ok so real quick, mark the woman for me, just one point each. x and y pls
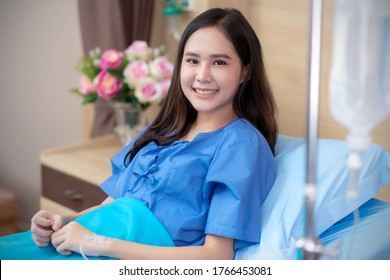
(205, 165)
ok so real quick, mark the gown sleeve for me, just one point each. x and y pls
(239, 179)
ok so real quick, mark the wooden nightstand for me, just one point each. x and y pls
(71, 174)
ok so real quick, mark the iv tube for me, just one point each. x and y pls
(360, 74)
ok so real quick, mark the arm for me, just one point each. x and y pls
(215, 247)
(72, 235)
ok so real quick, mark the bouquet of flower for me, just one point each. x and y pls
(140, 75)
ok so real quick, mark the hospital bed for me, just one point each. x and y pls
(346, 228)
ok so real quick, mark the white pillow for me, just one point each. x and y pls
(283, 210)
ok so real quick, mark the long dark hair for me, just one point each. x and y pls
(253, 101)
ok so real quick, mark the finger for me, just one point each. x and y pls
(65, 252)
(58, 237)
(41, 231)
(43, 218)
(40, 241)
(57, 234)
(55, 240)
(42, 214)
(41, 244)
(57, 222)
(62, 248)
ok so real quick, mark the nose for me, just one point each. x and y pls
(203, 73)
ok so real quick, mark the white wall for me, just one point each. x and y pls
(39, 45)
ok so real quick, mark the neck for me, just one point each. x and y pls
(205, 123)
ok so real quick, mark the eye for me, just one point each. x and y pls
(219, 62)
(192, 60)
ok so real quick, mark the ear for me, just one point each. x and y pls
(244, 73)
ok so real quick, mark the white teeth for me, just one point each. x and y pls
(205, 91)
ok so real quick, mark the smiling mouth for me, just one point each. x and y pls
(205, 91)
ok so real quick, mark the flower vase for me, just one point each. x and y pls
(130, 121)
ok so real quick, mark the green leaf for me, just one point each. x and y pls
(134, 100)
(144, 106)
(75, 91)
(123, 95)
(90, 98)
(87, 67)
(116, 73)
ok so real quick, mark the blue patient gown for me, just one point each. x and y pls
(214, 184)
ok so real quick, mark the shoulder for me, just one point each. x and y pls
(241, 131)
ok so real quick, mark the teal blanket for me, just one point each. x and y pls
(124, 218)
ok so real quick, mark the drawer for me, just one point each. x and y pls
(69, 191)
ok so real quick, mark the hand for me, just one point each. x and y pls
(43, 224)
(73, 236)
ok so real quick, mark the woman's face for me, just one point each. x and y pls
(211, 72)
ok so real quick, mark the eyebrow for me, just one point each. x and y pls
(217, 55)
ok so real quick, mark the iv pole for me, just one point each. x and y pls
(310, 246)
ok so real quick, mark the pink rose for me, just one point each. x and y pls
(138, 49)
(161, 68)
(135, 71)
(110, 59)
(148, 90)
(86, 86)
(107, 86)
(165, 84)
